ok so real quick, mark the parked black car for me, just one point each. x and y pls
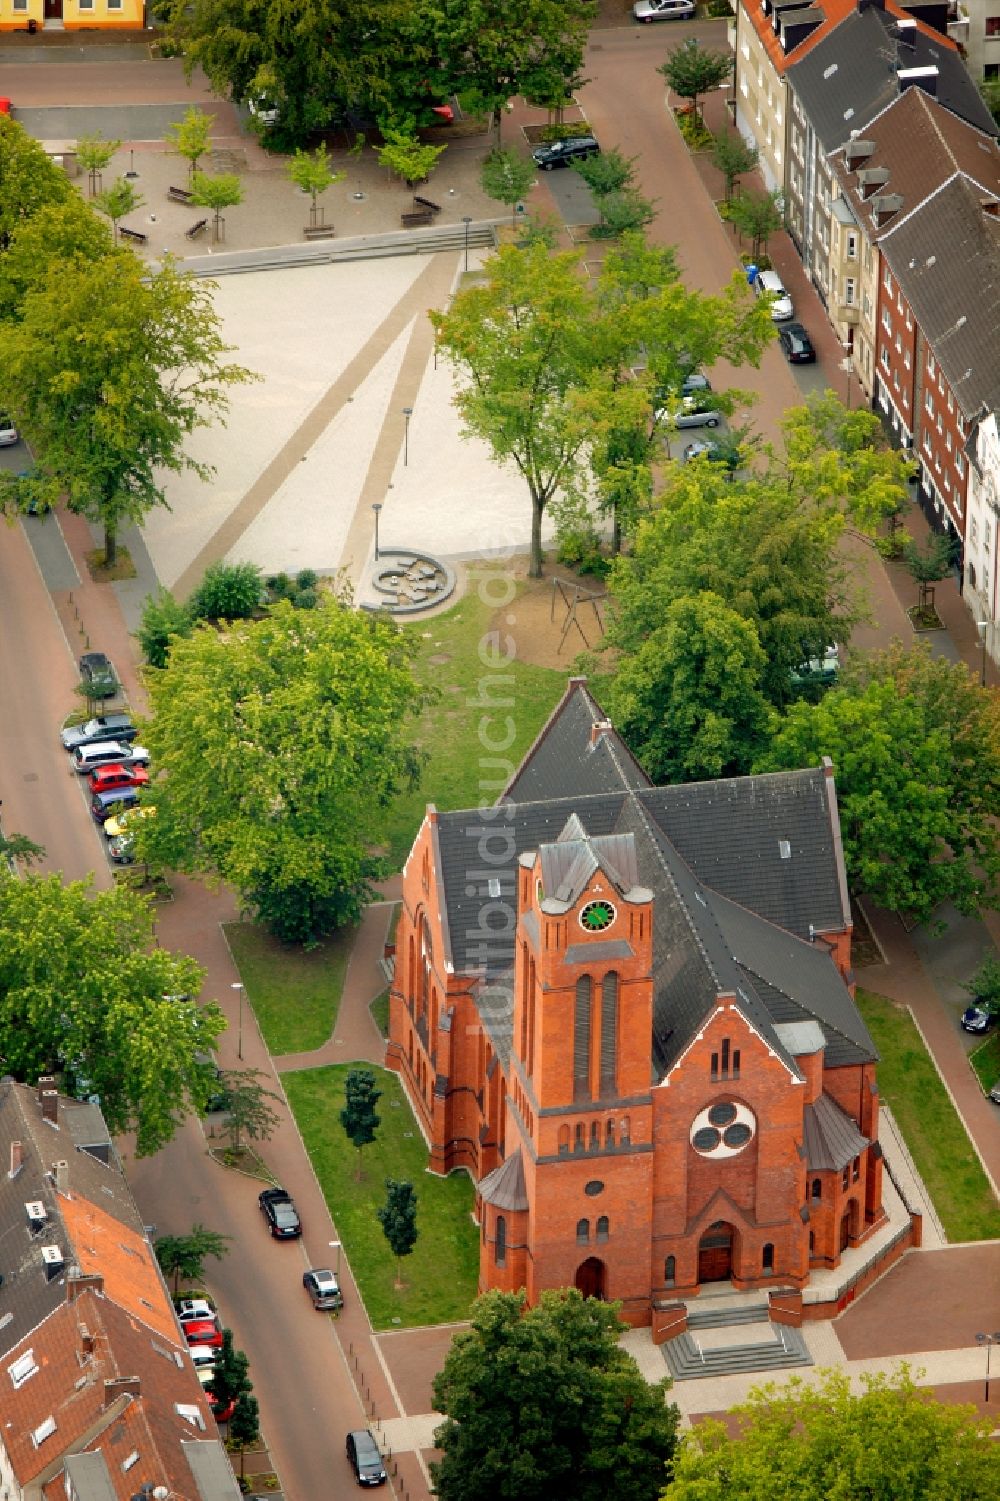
(561, 153)
(97, 671)
(280, 1213)
(977, 1018)
(796, 344)
(366, 1461)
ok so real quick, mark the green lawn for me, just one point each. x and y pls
(442, 1271)
(938, 1143)
(986, 1061)
(379, 1009)
(295, 995)
(458, 773)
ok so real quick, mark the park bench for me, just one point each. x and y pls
(425, 203)
(196, 229)
(410, 221)
(179, 195)
(124, 233)
(319, 232)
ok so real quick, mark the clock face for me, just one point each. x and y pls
(723, 1129)
(596, 916)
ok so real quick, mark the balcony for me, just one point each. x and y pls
(958, 23)
(849, 313)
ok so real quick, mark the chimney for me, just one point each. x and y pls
(49, 1101)
(121, 1386)
(16, 1158)
(60, 1175)
(52, 1261)
(924, 78)
(86, 1341)
(858, 151)
(81, 1283)
(598, 728)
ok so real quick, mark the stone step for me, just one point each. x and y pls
(719, 1318)
(363, 247)
(686, 1361)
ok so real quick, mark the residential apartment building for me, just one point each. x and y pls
(852, 75)
(99, 1396)
(975, 25)
(982, 593)
(72, 15)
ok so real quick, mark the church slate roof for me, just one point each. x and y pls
(600, 764)
(505, 1187)
(830, 1137)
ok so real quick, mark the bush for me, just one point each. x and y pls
(279, 585)
(565, 132)
(306, 578)
(306, 599)
(163, 620)
(692, 127)
(719, 8)
(580, 548)
(228, 591)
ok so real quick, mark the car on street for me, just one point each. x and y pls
(563, 153)
(715, 451)
(207, 1331)
(977, 1017)
(692, 413)
(769, 284)
(103, 805)
(107, 778)
(8, 432)
(264, 111)
(204, 1358)
(366, 1460)
(324, 1289)
(86, 758)
(189, 1309)
(819, 669)
(97, 671)
(102, 727)
(796, 345)
(995, 1093)
(124, 826)
(645, 11)
(221, 1411)
(280, 1213)
(121, 849)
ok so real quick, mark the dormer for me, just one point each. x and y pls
(35, 1210)
(884, 206)
(870, 179)
(921, 78)
(858, 150)
(796, 25)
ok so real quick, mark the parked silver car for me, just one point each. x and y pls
(663, 10)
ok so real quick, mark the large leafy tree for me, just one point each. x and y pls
(107, 372)
(542, 1402)
(28, 180)
(84, 989)
(689, 700)
(915, 744)
(284, 740)
(692, 70)
(889, 1440)
(184, 1256)
(63, 233)
(833, 456)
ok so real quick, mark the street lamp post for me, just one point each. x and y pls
(131, 173)
(981, 628)
(989, 1340)
(466, 220)
(407, 414)
(237, 985)
(376, 507)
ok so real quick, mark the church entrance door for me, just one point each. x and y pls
(590, 1277)
(715, 1253)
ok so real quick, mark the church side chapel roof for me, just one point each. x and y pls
(505, 1188)
(742, 872)
(830, 1137)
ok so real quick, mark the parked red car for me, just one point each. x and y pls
(109, 778)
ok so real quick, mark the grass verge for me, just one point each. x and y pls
(295, 995)
(379, 1009)
(938, 1142)
(459, 771)
(985, 1061)
(442, 1271)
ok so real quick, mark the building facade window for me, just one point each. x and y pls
(767, 1260)
(603, 1227)
(609, 1033)
(670, 1270)
(500, 1244)
(582, 1232)
(581, 1040)
(817, 1190)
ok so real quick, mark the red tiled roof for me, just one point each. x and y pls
(834, 11)
(123, 1258)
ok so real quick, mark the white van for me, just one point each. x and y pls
(769, 284)
(108, 753)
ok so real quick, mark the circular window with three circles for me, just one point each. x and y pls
(723, 1129)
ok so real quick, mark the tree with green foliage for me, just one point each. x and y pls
(284, 742)
(18, 848)
(248, 1113)
(67, 233)
(610, 172)
(231, 1373)
(398, 1218)
(83, 990)
(217, 191)
(990, 90)
(228, 591)
(183, 1257)
(94, 153)
(542, 1402)
(312, 172)
(915, 745)
(29, 181)
(406, 157)
(689, 702)
(984, 986)
(757, 216)
(162, 621)
(929, 564)
(117, 201)
(623, 213)
(358, 1117)
(191, 136)
(734, 156)
(506, 176)
(821, 1439)
(244, 1426)
(692, 70)
(107, 372)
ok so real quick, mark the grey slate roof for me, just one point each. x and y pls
(504, 1187)
(830, 1137)
(27, 1294)
(606, 765)
(946, 257)
(849, 76)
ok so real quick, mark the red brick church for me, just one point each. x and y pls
(627, 1011)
